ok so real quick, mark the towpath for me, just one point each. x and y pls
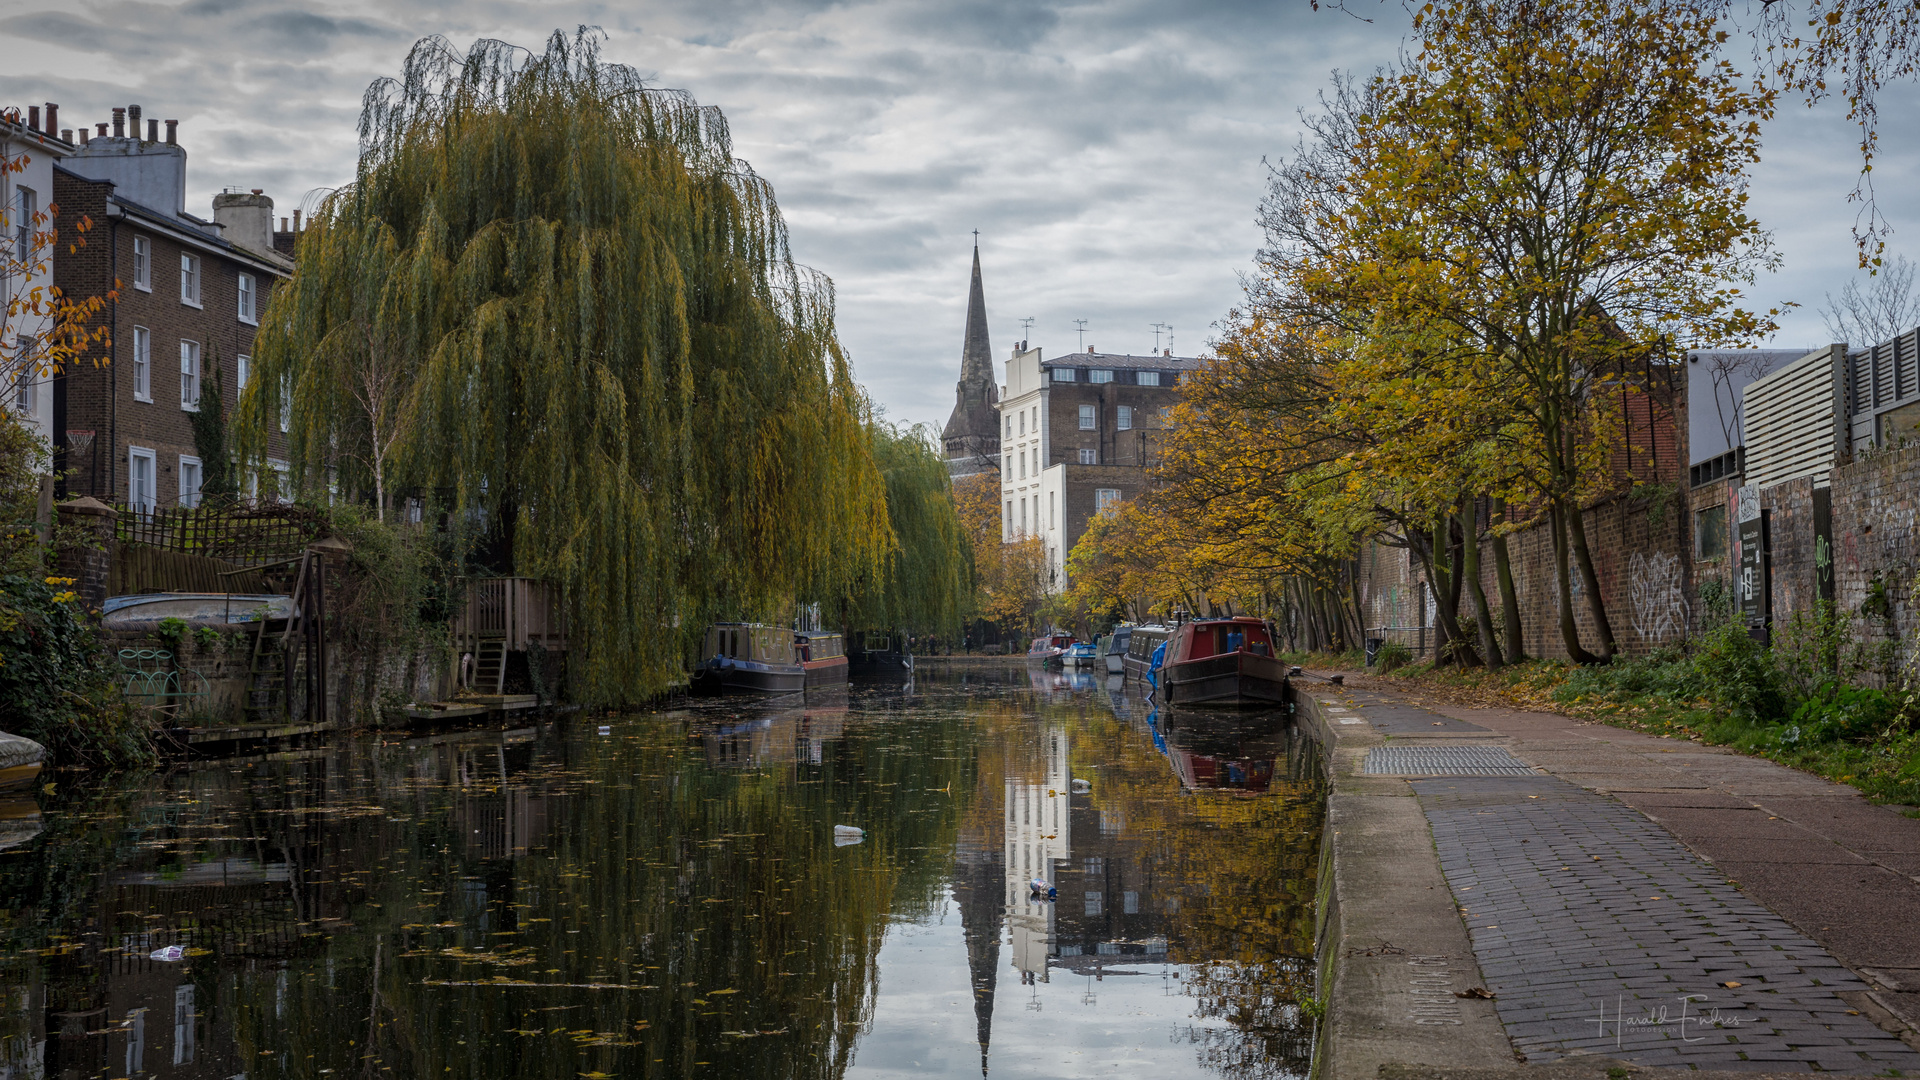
(1622, 896)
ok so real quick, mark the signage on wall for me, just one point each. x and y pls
(1754, 583)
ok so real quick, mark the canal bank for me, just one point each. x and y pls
(1609, 890)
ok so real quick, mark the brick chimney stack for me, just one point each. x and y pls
(173, 133)
(119, 124)
(133, 122)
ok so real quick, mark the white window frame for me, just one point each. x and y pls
(1099, 375)
(143, 262)
(243, 367)
(1088, 418)
(191, 498)
(1146, 378)
(1063, 374)
(282, 480)
(25, 205)
(1123, 418)
(26, 389)
(247, 303)
(1105, 499)
(190, 279)
(1089, 457)
(1023, 464)
(142, 364)
(135, 500)
(190, 374)
(1007, 531)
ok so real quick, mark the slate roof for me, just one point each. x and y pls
(1122, 361)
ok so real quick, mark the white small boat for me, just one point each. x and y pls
(145, 611)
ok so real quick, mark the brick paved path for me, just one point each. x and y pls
(1581, 952)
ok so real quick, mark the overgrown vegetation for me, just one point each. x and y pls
(56, 685)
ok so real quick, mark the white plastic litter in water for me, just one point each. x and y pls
(1081, 787)
(171, 952)
(847, 834)
(606, 729)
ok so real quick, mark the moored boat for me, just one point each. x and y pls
(1221, 662)
(21, 760)
(1080, 654)
(750, 658)
(1141, 642)
(1049, 649)
(822, 656)
(1114, 655)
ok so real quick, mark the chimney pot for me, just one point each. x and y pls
(53, 118)
(119, 124)
(1089, 350)
(259, 191)
(153, 131)
(66, 135)
(133, 122)
(173, 135)
(33, 117)
(100, 130)
(283, 224)
(296, 221)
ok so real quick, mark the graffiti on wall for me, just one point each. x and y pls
(1657, 588)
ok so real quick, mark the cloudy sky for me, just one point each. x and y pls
(1109, 151)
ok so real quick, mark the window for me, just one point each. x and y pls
(1023, 421)
(1105, 499)
(246, 299)
(142, 364)
(1093, 865)
(1087, 419)
(243, 368)
(1023, 464)
(190, 376)
(1089, 457)
(1165, 413)
(1098, 376)
(1126, 418)
(140, 479)
(143, 263)
(1130, 903)
(1023, 515)
(190, 279)
(1008, 466)
(1053, 509)
(1063, 374)
(1093, 903)
(25, 395)
(1710, 533)
(1009, 427)
(189, 481)
(27, 205)
(1009, 519)
(282, 480)
(1147, 378)
(286, 404)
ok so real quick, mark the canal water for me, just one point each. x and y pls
(662, 894)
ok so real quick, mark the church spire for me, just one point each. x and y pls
(976, 356)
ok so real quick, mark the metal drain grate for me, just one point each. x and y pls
(1444, 761)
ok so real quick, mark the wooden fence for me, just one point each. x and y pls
(240, 535)
(138, 568)
(521, 610)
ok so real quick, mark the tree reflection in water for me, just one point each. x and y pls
(661, 899)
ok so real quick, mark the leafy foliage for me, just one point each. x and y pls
(553, 293)
(56, 685)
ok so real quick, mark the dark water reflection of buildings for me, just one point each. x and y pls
(347, 894)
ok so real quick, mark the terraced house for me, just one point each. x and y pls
(190, 294)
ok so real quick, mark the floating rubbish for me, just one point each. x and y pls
(1041, 890)
(1081, 787)
(847, 834)
(606, 729)
(171, 952)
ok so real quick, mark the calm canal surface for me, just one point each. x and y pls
(662, 895)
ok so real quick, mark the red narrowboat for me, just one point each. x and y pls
(1221, 662)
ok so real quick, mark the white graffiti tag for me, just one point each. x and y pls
(1657, 587)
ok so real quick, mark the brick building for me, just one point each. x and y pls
(1078, 434)
(191, 291)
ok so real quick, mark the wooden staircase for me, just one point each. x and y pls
(490, 666)
(291, 652)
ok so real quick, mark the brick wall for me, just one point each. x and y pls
(1876, 504)
(101, 398)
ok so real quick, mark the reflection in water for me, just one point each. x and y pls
(661, 895)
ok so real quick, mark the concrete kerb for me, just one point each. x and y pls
(1393, 951)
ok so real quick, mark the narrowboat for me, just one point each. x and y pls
(879, 652)
(1140, 645)
(750, 658)
(1049, 649)
(823, 656)
(1115, 654)
(1080, 654)
(1221, 662)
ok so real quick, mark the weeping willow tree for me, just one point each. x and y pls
(927, 578)
(553, 294)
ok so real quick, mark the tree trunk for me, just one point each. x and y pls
(1509, 598)
(1596, 604)
(1453, 646)
(1569, 629)
(1470, 570)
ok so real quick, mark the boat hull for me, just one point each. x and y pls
(1240, 679)
(748, 677)
(831, 671)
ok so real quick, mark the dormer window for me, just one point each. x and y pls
(1147, 378)
(1063, 374)
(1099, 376)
